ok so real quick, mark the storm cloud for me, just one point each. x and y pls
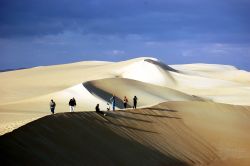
(61, 31)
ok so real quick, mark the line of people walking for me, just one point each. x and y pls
(72, 104)
(113, 104)
(125, 102)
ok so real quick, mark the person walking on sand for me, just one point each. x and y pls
(72, 104)
(135, 102)
(52, 106)
(112, 99)
(125, 102)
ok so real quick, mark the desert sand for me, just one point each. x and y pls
(193, 114)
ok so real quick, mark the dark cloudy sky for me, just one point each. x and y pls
(45, 32)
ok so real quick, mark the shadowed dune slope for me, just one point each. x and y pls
(148, 94)
(158, 135)
(171, 133)
(160, 64)
(80, 139)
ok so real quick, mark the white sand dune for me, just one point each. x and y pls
(223, 72)
(35, 82)
(210, 102)
(30, 90)
(88, 94)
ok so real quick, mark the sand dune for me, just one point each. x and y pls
(88, 94)
(30, 90)
(224, 72)
(36, 82)
(172, 133)
(148, 94)
(203, 119)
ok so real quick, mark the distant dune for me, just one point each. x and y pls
(203, 118)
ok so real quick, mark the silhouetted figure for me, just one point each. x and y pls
(52, 106)
(72, 104)
(135, 102)
(97, 109)
(108, 107)
(112, 99)
(125, 102)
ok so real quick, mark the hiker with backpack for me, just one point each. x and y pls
(72, 104)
